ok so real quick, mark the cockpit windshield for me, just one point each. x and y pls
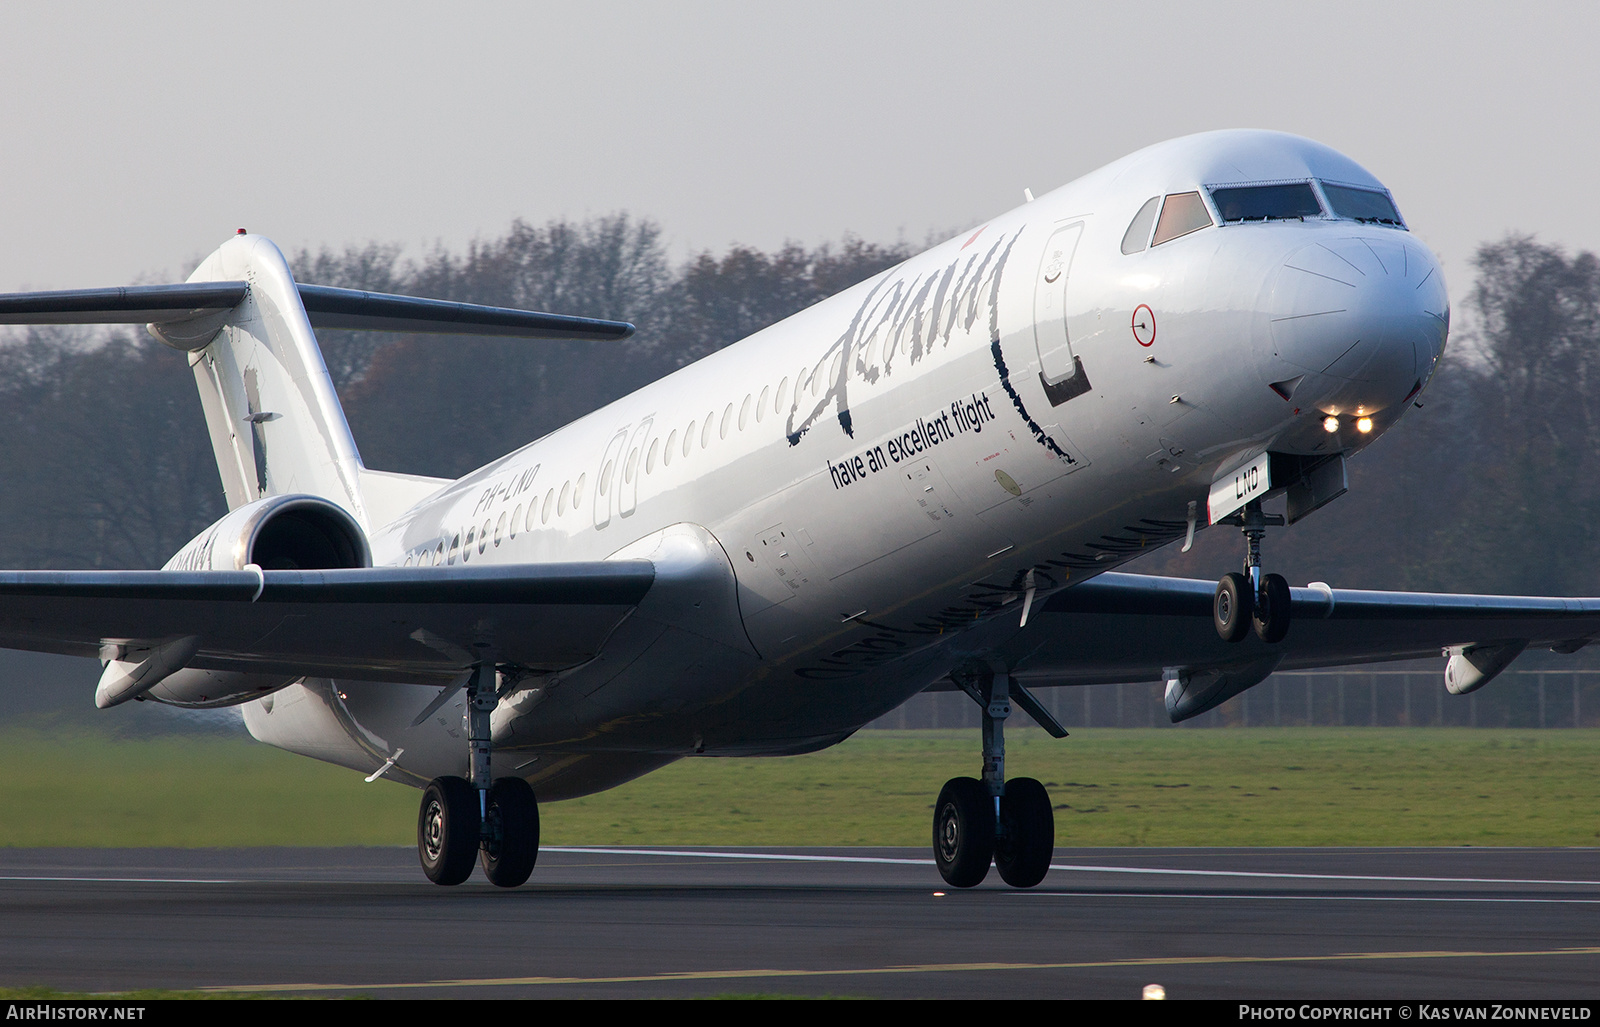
(1291, 201)
(1361, 204)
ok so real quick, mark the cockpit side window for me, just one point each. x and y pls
(1138, 234)
(1361, 204)
(1294, 200)
(1181, 214)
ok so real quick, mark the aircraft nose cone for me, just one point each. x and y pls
(1366, 315)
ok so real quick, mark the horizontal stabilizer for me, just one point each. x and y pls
(352, 309)
(326, 307)
(133, 304)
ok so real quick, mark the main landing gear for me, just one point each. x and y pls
(493, 822)
(1007, 823)
(1252, 599)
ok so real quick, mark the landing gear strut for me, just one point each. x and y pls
(462, 819)
(1007, 823)
(1252, 599)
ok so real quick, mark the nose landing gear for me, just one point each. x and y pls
(1252, 599)
(1009, 824)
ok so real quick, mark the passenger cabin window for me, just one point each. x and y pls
(1294, 201)
(1362, 205)
(1138, 233)
(1181, 214)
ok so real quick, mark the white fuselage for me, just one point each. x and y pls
(1022, 406)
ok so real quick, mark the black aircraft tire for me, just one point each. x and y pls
(447, 830)
(963, 832)
(1027, 837)
(508, 861)
(1231, 609)
(1271, 616)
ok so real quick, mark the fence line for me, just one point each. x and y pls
(1350, 698)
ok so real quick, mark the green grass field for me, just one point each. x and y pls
(1296, 786)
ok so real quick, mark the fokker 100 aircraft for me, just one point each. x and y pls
(925, 482)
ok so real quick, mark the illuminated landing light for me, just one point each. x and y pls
(1364, 425)
(1331, 424)
(1154, 991)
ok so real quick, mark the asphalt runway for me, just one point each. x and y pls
(670, 922)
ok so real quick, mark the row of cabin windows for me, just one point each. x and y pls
(524, 518)
(770, 403)
(494, 531)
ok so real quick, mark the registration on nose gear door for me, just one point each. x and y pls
(1238, 487)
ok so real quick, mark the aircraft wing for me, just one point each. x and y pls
(1135, 627)
(415, 624)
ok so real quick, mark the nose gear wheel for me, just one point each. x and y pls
(1231, 608)
(1271, 614)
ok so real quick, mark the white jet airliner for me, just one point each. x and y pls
(925, 482)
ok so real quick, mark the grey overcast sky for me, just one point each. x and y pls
(137, 136)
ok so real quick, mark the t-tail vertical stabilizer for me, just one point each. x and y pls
(275, 421)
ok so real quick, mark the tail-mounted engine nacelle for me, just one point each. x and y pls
(276, 533)
(279, 533)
